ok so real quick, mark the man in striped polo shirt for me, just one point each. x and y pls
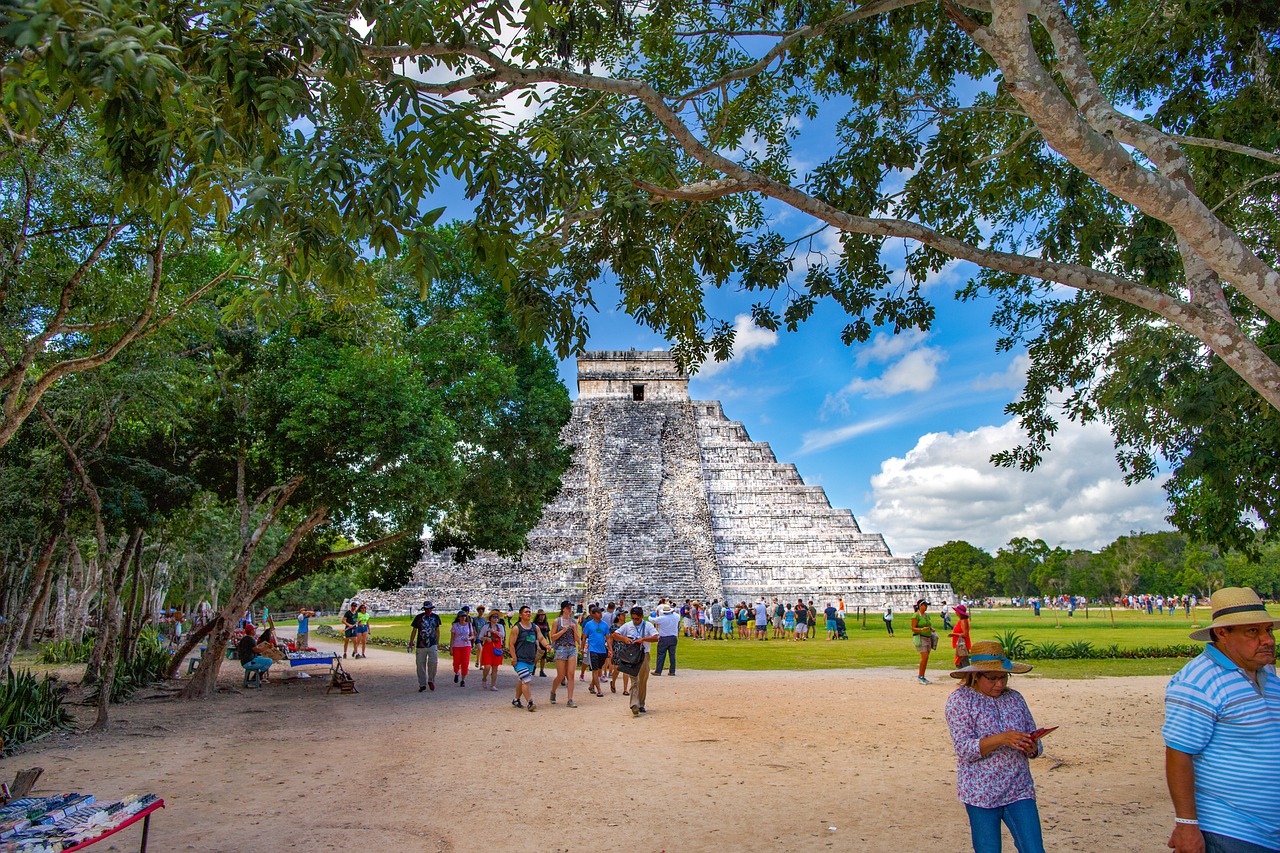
(1222, 718)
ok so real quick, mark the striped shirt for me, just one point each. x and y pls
(1215, 714)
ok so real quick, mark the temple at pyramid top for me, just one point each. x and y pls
(667, 497)
(636, 375)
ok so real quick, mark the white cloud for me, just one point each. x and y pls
(946, 488)
(1012, 377)
(748, 338)
(911, 367)
(821, 439)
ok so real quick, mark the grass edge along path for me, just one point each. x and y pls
(872, 647)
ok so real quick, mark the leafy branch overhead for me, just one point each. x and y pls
(1109, 166)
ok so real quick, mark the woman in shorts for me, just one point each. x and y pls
(565, 640)
(362, 631)
(788, 623)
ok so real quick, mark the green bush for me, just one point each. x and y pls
(66, 651)
(1013, 643)
(1083, 650)
(148, 665)
(30, 708)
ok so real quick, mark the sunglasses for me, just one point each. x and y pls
(993, 676)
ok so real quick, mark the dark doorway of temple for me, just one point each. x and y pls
(637, 393)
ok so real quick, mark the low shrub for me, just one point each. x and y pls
(148, 665)
(1013, 643)
(30, 708)
(1083, 650)
(66, 651)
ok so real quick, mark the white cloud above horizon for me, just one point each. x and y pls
(748, 338)
(910, 366)
(1013, 377)
(946, 488)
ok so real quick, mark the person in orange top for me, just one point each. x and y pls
(960, 636)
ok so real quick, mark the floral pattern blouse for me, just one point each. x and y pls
(1004, 775)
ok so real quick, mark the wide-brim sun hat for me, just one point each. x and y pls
(961, 610)
(988, 656)
(1235, 605)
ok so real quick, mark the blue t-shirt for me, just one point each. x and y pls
(304, 624)
(597, 634)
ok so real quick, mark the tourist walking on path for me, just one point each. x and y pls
(960, 636)
(565, 641)
(595, 641)
(349, 630)
(922, 636)
(540, 619)
(525, 642)
(478, 624)
(1221, 753)
(637, 632)
(424, 640)
(362, 631)
(991, 729)
(461, 636)
(493, 640)
(888, 619)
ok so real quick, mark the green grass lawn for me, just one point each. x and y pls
(872, 647)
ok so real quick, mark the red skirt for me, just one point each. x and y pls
(490, 655)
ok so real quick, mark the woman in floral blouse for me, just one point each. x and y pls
(992, 728)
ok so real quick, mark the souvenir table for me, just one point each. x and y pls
(311, 658)
(66, 822)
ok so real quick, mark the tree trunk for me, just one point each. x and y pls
(109, 598)
(204, 682)
(81, 593)
(36, 622)
(189, 644)
(60, 611)
(25, 610)
(110, 629)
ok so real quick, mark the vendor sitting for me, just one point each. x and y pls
(250, 658)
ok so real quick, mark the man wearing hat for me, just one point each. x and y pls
(424, 639)
(668, 624)
(1222, 756)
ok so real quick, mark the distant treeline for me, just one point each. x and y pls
(1156, 563)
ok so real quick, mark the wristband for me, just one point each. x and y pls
(1186, 821)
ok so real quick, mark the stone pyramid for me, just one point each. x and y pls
(667, 497)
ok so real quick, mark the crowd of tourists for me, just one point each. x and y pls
(1220, 709)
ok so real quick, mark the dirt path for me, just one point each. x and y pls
(778, 758)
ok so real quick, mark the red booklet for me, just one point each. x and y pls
(1039, 733)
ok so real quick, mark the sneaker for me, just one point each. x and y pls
(455, 678)
(532, 707)
(635, 712)
(422, 688)
(553, 697)
(542, 675)
(463, 683)
(643, 710)
(431, 685)
(516, 703)
(571, 704)
(493, 689)
(922, 679)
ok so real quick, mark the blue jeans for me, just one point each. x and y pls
(1023, 819)
(260, 664)
(1215, 843)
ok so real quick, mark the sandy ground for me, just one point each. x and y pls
(835, 759)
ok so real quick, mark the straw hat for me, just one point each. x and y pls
(1235, 605)
(988, 656)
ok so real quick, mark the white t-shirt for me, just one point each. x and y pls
(667, 626)
(632, 631)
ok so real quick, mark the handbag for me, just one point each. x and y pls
(628, 657)
(933, 641)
